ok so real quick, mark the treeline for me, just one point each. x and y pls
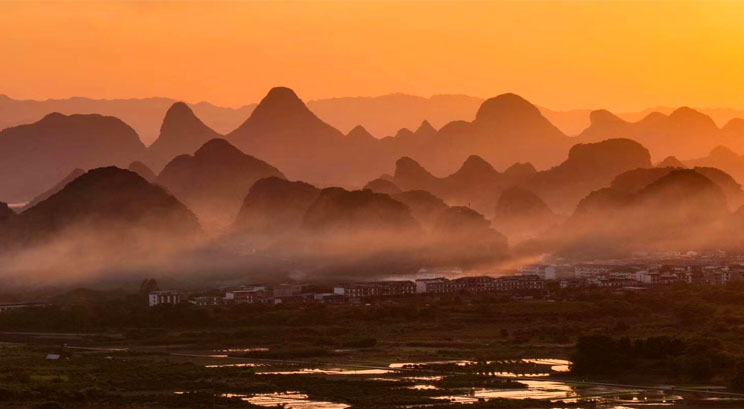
(698, 360)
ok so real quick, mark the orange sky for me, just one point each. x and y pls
(620, 55)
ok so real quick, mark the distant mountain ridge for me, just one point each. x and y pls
(285, 131)
(685, 133)
(34, 157)
(477, 184)
(382, 115)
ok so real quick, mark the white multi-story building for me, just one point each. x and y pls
(164, 297)
(244, 296)
(425, 285)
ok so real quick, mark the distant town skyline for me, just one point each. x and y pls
(622, 56)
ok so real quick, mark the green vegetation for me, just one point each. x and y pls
(675, 334)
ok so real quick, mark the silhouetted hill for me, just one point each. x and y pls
(479, 185)
(54, 189)
(682, 210)
(105, 200)
(381, 115)
(283, 131)
(722, 158)
(142, 170)
(635, 180)
(734, 131)
(462, 236)
(425, 131)
(506, 129)
(602, 202)
(384, 115)
(605, 125)
(684, 133)
(425, 207)
(339, 211)
(144, 115)
(214, 180)
(381, 185)
(275, 206)
(359, 232)
(587, 168)
(521, 214)
(360, 134)
(670, 162)
(181, 133)
(36, 156)
(520, 171)
(410, 142)
(692, 190)
(410, 175)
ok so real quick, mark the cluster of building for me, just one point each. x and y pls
(637, 274)
(353, 292)
(527, 278)
(246, 294)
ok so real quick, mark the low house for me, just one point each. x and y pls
(242, 296)
(164, 297)
(206, 301)
(376, 289)
(287, 290)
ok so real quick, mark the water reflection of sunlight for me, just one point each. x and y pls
(289, 400)
(333, 371)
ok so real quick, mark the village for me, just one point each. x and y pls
(533, 280)
(526, 282)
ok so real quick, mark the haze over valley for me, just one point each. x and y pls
(286, 194)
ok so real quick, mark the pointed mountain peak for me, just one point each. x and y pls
(180, 133)
(681, 184)
(406, 166)
(180, 119)
(279, 103)
(474, 164)
(404, 133)
(359, 132)
(407, 162)
(112, 195)
(603, 117)
(425, 129)
(671, 162)
(179, 109)
(506, 106)
(281, 94)
(516, 201)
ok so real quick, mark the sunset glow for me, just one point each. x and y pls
(562, 54)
